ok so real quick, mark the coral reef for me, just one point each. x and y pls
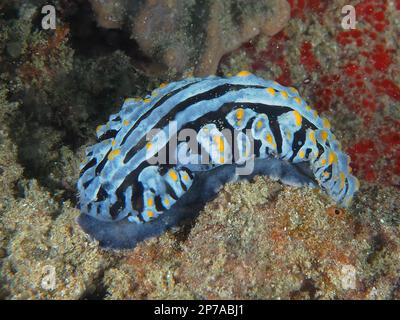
(38, 231)
(182, 34)
(256, 239)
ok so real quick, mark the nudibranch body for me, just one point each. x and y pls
(125, 197)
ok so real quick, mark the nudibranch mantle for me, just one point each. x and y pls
(124, 198)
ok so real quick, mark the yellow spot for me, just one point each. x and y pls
(269, 138)
(173, 175)
(149, 145)
(326, 123)
(342, 180)
(297, 118)
(154, 94)
(146, 100)
(271, 91)
(308, 108)
(229, 74)
(293, 90)
(312, 137)
(166, 201)
(163, 85)
(349, 169)
(113, 142)
(332, 158)
(222, 159)
(298, 100)
(315, 113)
(150, 202)
(185, 177)
(324, 135)
(284, 94)
(259, 124)
(288, 135)
(150, 214)
(301, 154)
(323, 162)
(128, 100)
(243, 73)
(113, 154)
(219, 141)
(125, 122)
(239, 114)
(98, 128)
(326, 174)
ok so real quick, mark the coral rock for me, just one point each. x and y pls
(193, 33)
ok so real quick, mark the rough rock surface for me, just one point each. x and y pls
(182, 34)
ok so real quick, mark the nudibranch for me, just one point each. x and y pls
(125, 196)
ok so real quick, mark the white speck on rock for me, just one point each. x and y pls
(349, 277)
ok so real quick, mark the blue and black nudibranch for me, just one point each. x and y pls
(124, 198)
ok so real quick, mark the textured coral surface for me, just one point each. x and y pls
(185, 34)
(257, 239)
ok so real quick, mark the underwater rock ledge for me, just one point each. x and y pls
(197, 33)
